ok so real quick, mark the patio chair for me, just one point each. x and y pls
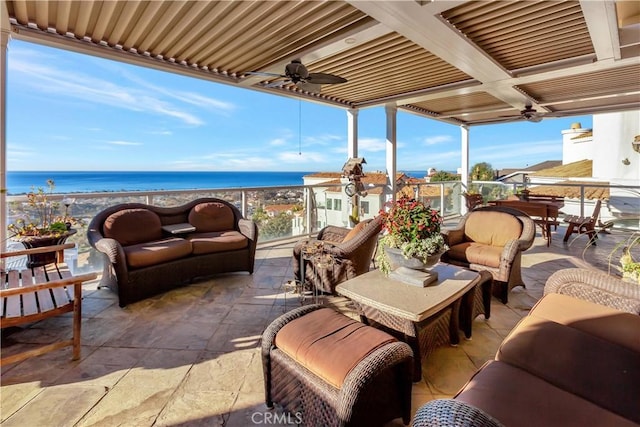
(28, 295)
(336, 255)
(473, 201)
(492, 238)
(583, 225)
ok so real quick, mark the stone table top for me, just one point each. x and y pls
(410, 302)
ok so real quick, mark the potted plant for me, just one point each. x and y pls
(412, 229)
(42, 225)
(629, 266)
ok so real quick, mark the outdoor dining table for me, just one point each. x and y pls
(545, 214)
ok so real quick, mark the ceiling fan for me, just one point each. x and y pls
(530, 114)
(295, 72)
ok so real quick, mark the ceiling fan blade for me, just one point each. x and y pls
(259, 73)
(309, 87)
(323, 79)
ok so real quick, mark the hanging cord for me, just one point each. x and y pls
(300, 127)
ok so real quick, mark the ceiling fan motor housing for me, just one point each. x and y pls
(296, 71)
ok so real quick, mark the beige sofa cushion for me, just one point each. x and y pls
(329, 344)
(604, 322)
(517, 398)
(492, 228)
(133, 226)
(156, 252)
(605, 374)
(211, 216)
(218, 241)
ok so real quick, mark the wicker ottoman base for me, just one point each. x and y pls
(376, 391)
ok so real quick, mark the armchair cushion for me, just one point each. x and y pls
(124, 226)
(477, 253)
(492, 228)
(211, 216)
(354, 231)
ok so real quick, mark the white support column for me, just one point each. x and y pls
(352, 132)
(391, 112)
(464, 160)
(5, 36)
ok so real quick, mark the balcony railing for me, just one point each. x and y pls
(286, 212)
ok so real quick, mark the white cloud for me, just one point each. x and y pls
(308, 157)
(130, 143)
(372, 144)
(278, 142)
(78, 85)
(438, 139)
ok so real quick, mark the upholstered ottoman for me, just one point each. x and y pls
(330, 370)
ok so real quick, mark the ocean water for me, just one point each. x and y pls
(88, 182)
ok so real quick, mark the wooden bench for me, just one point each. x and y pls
(29, 295)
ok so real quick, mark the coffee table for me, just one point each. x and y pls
(424, 317)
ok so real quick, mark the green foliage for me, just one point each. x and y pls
(414, 228)
(482, 172)
(271, 228)
(42, 219)
(441, 176)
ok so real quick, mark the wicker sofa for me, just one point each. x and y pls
(148, 249)
(573, 361)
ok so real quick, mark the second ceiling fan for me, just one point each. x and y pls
(295, 72)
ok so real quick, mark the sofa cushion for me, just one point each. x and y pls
(476, 253)
(133, 226)
(604, 322)
(217, 241)
(517, 398)
(211, 216)
(492, 228)
(329, 343)
(159, 251)
(603, 373)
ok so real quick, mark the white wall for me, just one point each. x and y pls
(574, 150)
(613, 134)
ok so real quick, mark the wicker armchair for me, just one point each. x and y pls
(452, 413)
(492, 238)
(339, 254)
(595, 286)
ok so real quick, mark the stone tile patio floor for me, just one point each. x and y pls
(191, 357)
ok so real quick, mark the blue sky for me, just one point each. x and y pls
(67, 111)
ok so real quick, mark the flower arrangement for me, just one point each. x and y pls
(47, 223)
(412, 227)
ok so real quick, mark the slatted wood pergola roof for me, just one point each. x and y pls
(461, 62)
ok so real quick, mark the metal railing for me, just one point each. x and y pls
(286, 212)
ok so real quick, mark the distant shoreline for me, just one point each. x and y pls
(69, 182)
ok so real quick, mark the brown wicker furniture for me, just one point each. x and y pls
(349, 252)
(149, 249)
(32, 294)
(326, 369)
(423, 317)
(492, 238)
(570, 362)
(473, 201)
